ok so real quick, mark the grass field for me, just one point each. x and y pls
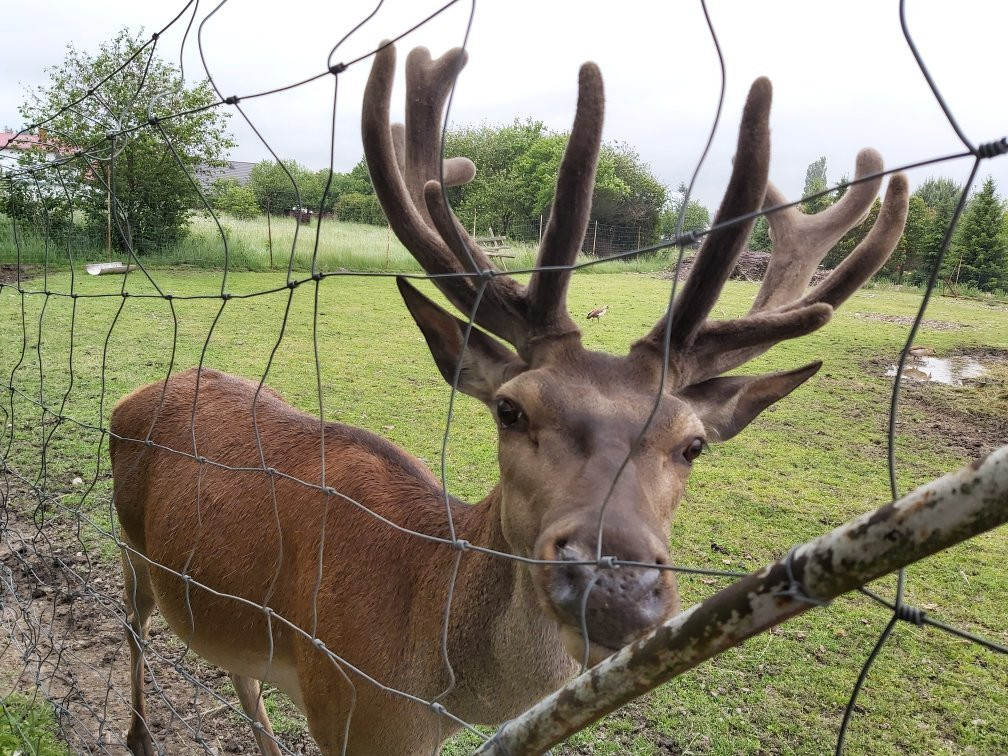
(815, 461)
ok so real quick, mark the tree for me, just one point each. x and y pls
(516, 170)
(940, 196)
(912, 243)
(282, 186)
(38, 200)
(339, 184)
(815, 181)
(640, 196)
(978, 255)
(696, 217)
(274, 186)
(759, 239)
(230, 197)
(354, 207)
(535, 172)
(500, 193)
(357, 180)
(145, 175)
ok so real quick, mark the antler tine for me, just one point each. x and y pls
(562, 240)
(502, 308)
(722, 246)
(723, 345)
(384, 160)
(870, 255)
(428, 84)
(405, 160)
(800, 241)
(701, 348)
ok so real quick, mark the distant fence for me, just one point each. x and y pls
(601, 240)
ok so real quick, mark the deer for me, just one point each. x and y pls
(236, 509)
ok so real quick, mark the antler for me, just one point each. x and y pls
(406, 172)
(701, 348)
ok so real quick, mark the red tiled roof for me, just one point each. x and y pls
(15, 141)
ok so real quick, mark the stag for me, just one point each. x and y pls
(223, 482)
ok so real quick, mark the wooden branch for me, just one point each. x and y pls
(933, 517)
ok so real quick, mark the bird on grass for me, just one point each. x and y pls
(598, 312)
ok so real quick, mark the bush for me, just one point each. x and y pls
(354, 207)
(230, 197)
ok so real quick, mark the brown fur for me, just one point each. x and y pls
(374, 589)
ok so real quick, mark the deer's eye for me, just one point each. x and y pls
(508, 413)
(693, 450)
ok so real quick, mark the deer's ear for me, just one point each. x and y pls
(728, 404)
(486, 363)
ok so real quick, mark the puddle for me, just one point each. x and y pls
(951, 371)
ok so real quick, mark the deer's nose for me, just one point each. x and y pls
(614, 601)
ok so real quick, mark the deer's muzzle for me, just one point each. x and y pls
(614, 603)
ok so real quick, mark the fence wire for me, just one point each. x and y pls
(61, 594)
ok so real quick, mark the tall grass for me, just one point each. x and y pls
(259, 245)
(963, 291)
(353, 246)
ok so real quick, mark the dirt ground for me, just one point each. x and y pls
(8, 273)
(968, 420)
(65, 620)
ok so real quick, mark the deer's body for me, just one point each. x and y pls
(594, 451)
(377, 582)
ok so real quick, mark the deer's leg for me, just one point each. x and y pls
(138, 597)
(249, 694)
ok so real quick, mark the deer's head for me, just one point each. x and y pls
(578, 460)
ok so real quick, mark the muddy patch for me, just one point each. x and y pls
(949, 371)
(906, 320)
(969, 420)
(9, 273)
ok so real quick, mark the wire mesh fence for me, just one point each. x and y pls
(77, 344)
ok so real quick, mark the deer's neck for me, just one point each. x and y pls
(505, 653)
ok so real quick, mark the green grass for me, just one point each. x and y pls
(816, 460)
(28, 727)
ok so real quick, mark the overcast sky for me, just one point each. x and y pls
(843, 76)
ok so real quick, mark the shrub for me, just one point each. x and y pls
(354, 207)
(231, 197)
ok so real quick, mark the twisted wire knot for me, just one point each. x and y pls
(993, 149)
(795, 590)
(910, 614)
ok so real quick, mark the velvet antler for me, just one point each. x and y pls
(406, 169)
(702, 348)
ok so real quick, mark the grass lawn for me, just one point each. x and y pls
(816, 460)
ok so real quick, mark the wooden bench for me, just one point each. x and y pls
(494, 247)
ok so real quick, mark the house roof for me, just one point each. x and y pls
(235, 169)
(16, 140)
